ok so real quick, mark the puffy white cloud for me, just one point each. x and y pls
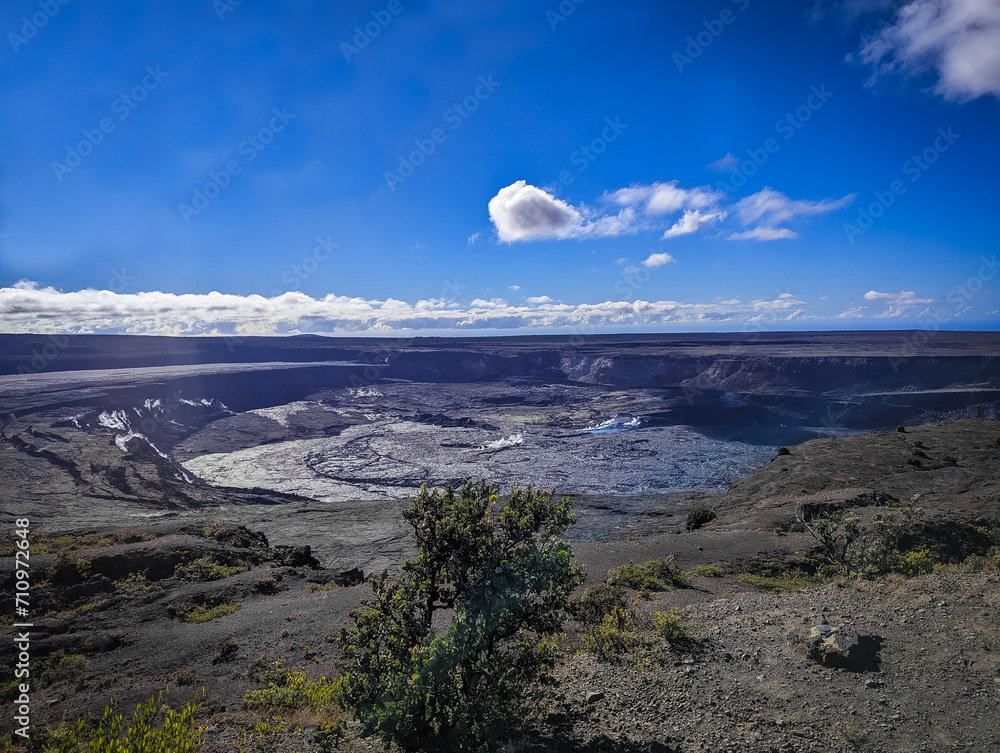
(666, 198)
(523, 212)
(691, 222)
(959, 40)
(26, 307)
(514, 288)
(657, 260)
(537, 299)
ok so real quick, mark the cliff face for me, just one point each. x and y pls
(775, 375)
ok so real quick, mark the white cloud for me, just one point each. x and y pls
(620, 261)
(897, 304)
(524, 212)
(858, 312)
(537, 299)
(691, 222)
(515, 288)
(725, 164)
(902, 298)
(26, 307)
(657, 260)
(764, 234)
(770, 207)
(474, 237)
(959, 40)
(666, 198)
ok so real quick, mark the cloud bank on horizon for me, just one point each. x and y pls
(29, 308)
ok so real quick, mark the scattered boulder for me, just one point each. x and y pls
(295, 556)
(843, 648)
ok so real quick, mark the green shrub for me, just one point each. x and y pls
(698, 517)
(993, 557)
(134, 584)
(316, 588)
(709, 571)
(916, 562)
(68, 570)
(653, 575)
(785, 582)
(204, 569)
(204, 613)
(614, 635)
(59, 666)
(594, 604)
(48, 738)
(443, 657)
(285, 690)
(266, 586)
(671, 625)
(864, 541)
(176, 732)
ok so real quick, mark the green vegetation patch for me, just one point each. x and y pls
(44, 542)
(205, 569)
(698, 517)
(671, 625)
(616, 634)
(650, 576)
(135, 584)
(316, 588)
(285, 690)
(205, 613)
(784, 582)
(154, 727)
(709, 571)
(597, 602)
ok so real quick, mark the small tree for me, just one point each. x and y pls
(440, 658)
(864, 541)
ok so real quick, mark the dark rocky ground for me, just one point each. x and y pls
(744, 681)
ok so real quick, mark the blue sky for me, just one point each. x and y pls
(438, 167)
